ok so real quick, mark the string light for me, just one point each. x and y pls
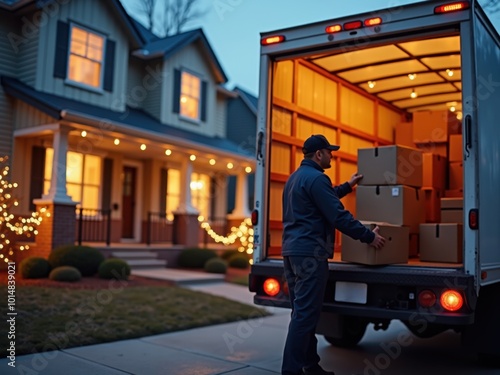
(11, 226)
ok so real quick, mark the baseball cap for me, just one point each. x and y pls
(317, 142)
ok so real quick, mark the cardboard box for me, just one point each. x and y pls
(432, 198)
(434, 171)
(397, 205)
(395, 249)
(458, 193)
(390, 165)
(404, 134)
(452, 210)
(441, 243)
(434, 126)
(440, 149)
(456, 175)
(455, 148)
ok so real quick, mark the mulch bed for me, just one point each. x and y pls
(95, 282)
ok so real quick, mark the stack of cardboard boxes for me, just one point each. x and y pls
(390, 196)
(413, 191)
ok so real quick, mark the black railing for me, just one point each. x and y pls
(93, 225)
(158, 228)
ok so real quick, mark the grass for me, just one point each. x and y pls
(56, 318)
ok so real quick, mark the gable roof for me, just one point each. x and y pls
(247, 98)
(166, 47)
(131, 121)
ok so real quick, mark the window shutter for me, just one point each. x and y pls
(163, 190)
(203, 103)
(107, 180)
(62, 44)
(176, 105)
(109, 65)
(37, 173)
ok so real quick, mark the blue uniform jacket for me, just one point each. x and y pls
(312, 210)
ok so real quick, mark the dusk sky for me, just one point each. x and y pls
(233, 27)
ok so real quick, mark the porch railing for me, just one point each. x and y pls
(158, 228)
(93, 225)
(218, 225)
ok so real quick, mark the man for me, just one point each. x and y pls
(311, 212)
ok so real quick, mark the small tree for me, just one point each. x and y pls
(12, 228)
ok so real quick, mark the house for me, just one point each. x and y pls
(114, 130)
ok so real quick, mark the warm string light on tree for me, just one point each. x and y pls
(243, 233)
(13, 228)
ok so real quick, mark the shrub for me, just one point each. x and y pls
(114, 268)
(65, 273)
(215, 265)
(195, 257)
(227, 254)
(239, 260)
(86, 259)
(34, 268)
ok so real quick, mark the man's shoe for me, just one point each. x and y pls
(317, 371)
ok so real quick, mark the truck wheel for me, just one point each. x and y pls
(351, 332)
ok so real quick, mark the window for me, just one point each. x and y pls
(83, 174)
(190, 96)
(200, 193)
(86, 57)
(173, 192)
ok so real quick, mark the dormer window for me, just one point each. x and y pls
(86, 57)
(190, 96)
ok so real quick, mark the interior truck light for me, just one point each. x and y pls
(451, 300)
(271, 287)
(353, 25)
(272, 40)
(474, 218)
(333, 29)
(452, 7)
(373, 21)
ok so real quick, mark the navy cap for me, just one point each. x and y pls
(317, 142)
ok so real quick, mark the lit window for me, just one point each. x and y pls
(200, 193)
(83, 175)
(190, 96)
(86, 56)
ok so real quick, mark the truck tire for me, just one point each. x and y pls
(351, 332)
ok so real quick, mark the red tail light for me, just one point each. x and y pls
(427, 298)
(451, 300)
(353, 25)
(272, 40)
(255, 217)
(452, 7)
(271, 287)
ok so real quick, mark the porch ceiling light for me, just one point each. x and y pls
(192, 157)
(449, 72)
(248, 169)
(83, 133)
(412, 76)
(143, 147)
(168, 152)
(116, 141)
(371, 84)
(230, 165)
(413, 94)
(212, 161)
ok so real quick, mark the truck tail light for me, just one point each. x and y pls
(427, 298)
(451, 300)
(272, 40)
(333, 29)
(452, 7)
(271, 287)
(353, 25)
(474, 218)
(255, 217)
(373, 21)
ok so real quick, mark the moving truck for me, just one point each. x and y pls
(421, 79)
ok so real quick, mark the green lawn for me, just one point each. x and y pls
(55, 318)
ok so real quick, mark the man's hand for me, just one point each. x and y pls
(379, 241)
(355, 179)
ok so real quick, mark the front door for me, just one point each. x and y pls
(128, 201)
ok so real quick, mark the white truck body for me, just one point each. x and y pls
(345, 56)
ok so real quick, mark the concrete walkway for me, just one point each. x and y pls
(249, 347)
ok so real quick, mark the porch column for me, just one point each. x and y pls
(59, 227)
(240, 211)
(186, 225)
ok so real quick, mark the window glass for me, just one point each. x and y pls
(173, 192)
(200, 193)
(86, 57)
(190, 96)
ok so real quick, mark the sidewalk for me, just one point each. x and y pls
(248, 347)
